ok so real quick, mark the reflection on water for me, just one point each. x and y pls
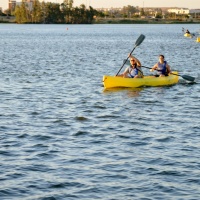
(130, 92)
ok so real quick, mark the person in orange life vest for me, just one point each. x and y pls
(134, 70)
(162, 67)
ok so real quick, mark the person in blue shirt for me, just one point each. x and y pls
(134, 70)
(162, 67)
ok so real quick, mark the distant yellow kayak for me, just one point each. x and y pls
(198, 39)
(117, 82)
(187, 35)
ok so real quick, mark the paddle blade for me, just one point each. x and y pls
(188, 78)
(139, 40)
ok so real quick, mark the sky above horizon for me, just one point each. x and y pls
(191, 4)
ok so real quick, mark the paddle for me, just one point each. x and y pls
(192, 34)
(137, 43)
(126, 62)
(186, 77)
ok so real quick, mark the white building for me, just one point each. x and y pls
(179, 10)
(11, 4)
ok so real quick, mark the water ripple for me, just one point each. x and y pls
(62, 136)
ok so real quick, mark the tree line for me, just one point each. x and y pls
(51, 13)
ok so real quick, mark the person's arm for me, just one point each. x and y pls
(137, 61)
(154, 67)
(168, 69)
(124, 74)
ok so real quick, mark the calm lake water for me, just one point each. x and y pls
(63, 137)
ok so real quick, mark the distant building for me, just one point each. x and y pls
(179, 11)
(193, 11)
(11, 5)
(108, 9)
(1, 9)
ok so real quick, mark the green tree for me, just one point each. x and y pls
(36, 14)
(54, 13)
(66, 8)
(129, 10)
(75, 16)
(43, 12)
(142, 13)
(91, 13)
(158, 15)
(21, 13)
(18, 14)
(83, 16)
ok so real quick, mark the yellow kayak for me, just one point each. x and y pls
(117, 82)
(187, 35)
(198, 39)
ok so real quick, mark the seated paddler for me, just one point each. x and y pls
(134, 70)
(162, 67)
(187, 31)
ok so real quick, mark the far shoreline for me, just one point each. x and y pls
(11, 20)
(145, 21)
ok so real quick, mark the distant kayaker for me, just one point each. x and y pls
(187, 31)
(162, 67)
(134, 70)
